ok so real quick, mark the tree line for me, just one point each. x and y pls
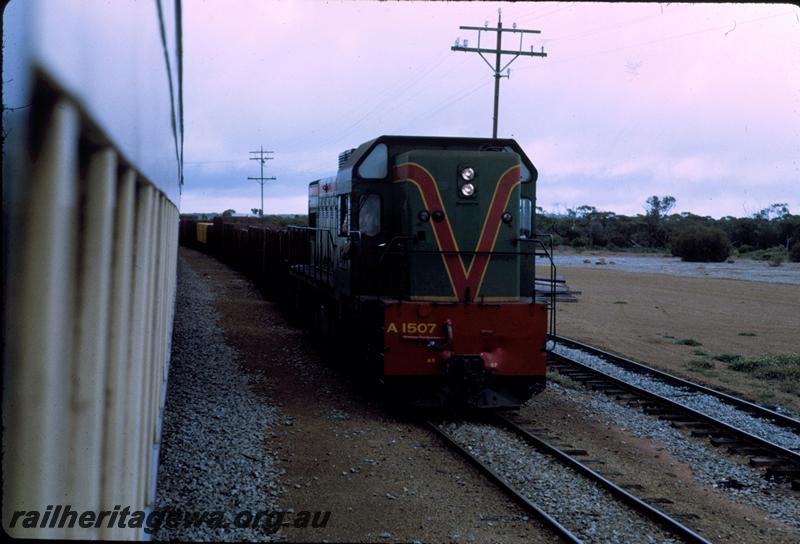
(773, 230)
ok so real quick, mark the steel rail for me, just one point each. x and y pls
(789, 455)
(752, 408)
(668, 523)
(562, 532)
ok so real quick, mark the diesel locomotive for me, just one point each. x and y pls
(419, 259)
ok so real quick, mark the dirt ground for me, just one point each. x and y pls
(387, 479)
(383, 478)
(650, 472)
(643, 315)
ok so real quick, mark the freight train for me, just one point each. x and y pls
(419, 259)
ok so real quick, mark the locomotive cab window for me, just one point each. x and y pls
(344, 215)
(376, 164)
(369, 214)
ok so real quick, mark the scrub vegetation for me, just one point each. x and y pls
(784, 367)
(766, 235)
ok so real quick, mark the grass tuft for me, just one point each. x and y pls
(620, 302)
(688, 342)
(727, 357)
(700, 353)
(700, 364)
(747, 334)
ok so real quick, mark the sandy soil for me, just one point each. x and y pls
(383, 478)
(642, 315)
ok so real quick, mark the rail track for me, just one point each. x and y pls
(560, 523)
(778, 460)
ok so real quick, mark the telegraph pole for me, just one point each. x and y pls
(262, 158)
(498, 52)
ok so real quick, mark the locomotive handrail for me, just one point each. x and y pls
(537, 240)
(553, 275)
(388, 246)
(316, 257)
(315, 229)
(407, 251)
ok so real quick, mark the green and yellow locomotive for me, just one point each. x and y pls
(419, 257)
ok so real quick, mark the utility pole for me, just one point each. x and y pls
(498, 72)
(262, 158)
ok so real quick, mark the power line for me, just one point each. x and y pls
(666, 38)
(261, 158)
(444, 104)
(498, 52)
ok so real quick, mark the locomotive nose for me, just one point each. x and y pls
(460, 210)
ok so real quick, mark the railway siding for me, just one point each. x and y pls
(580, 504)
(700, 402)
(739, 482)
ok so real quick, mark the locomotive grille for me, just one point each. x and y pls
(344, 155)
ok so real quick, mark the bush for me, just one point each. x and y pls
(701, 244)
(794, 253)
(579, 242)
(745, 248)
(775, 260)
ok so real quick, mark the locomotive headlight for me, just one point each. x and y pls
(507, 217)
(424, 216)
(468, 173)
(467, 189)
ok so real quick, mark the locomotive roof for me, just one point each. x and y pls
(401, 144)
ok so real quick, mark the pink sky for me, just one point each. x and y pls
(701, 102)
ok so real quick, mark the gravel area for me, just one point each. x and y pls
(700, 402)
(587, 510)
(741, 269)
(742, 483)
(213, 454)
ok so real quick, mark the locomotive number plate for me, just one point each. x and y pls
(412, 328)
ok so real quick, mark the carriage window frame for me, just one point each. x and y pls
(344, 214)
(525, 217)
(363, 202)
